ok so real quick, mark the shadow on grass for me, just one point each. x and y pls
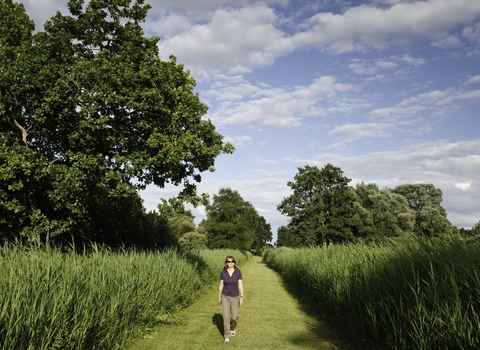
(217, 320)
(321, 328)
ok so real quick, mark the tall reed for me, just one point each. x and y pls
(409, 294)
(53, 300)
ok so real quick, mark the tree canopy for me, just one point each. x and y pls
(90, 114)
(234, 223)
(425, 200)
(321, 208)
(324, 209)
(387, 213)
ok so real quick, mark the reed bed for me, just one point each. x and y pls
(99, 300)
(407, 294)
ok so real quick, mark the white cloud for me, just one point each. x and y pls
(462, 185)
(42, 10)
(472, 33)
(238, 141)
(168, 25)
(429, 104)
(447, 42)
(366, 26)
(473, 80)
(398, 63)
(234, 40)
(353, 132)
(193, 7)
(280, 107)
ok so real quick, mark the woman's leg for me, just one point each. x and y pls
(226, 307)
(234, 311)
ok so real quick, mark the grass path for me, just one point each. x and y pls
(269, 319)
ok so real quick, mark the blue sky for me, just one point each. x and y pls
(387, 90)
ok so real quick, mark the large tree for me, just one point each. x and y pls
(321, 208)
(430, 216)
(90, 114)
(387, 214)
(233, 222)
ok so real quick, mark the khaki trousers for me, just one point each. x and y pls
(230, 310)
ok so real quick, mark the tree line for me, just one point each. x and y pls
(324, 209)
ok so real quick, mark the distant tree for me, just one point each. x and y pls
(430, 216)
(90, 115)
(193, 240)
(233, 222)
(179, 220)
(322, 207)
(387, 213)
(474, 231)
(263, 233)
(285, 238)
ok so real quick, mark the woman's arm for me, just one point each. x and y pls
(240, 289)
(220, 290)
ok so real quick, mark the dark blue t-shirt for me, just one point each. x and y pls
(230, 284)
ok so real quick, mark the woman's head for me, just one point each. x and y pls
(230, 262)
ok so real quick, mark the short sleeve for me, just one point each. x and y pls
(221, 276)
(240, 275)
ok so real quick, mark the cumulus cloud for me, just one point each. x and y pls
(42, 10)
(354, 132)
(193, 7)
(473, 80)
(472, 33)
(279, 107)
(238, 141)
(432, 103)
(367, 26)
(392, 64)
(234, 40)
(447, 42)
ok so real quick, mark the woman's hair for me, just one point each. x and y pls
(226, 265)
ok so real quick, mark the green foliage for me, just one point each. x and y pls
(263, 233)
(90, 115)
(321, 209)
(193, 240)
(473, 232)
(286, 238)
(387, 214)
(234, 223)
(174, 207)
(55, 300)
(425, 200)
(265, 248)
(407, 294)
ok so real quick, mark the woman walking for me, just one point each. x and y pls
(230, 296)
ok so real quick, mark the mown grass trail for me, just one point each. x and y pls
(269, 319)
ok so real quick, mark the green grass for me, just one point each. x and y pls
(409, 294)
(269, 319)
(99, 300)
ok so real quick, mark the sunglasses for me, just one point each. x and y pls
(230, 261)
